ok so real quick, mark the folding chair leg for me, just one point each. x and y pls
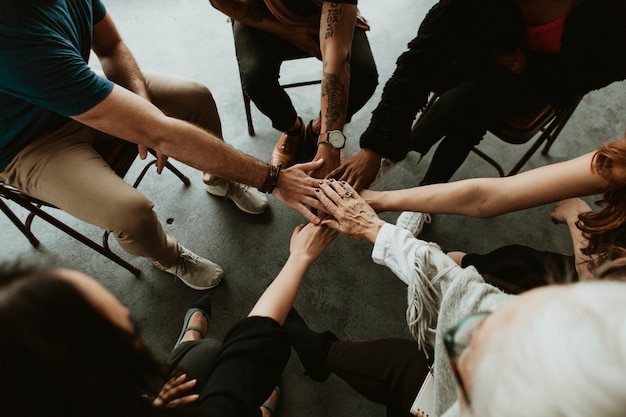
(18, 223)
(489, 160)
(246, 104)
(36, 211)
(562, 119)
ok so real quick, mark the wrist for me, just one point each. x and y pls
(271, 179)
(373, 231)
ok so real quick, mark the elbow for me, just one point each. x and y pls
(217, 4)
(482, 204)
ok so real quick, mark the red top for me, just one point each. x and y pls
(545, 38)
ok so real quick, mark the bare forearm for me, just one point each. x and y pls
(116, 60)
(466, 198)
(125, 115)
(486, 197)
(278, 298)
(122, 68)
(336, 31)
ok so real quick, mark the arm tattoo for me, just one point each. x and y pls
(334, 89)
(331, 17)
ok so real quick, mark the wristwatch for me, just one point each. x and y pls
(334, 138)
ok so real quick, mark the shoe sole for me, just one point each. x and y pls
(195, 287)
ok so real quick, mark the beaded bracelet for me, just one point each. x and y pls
(272, 178)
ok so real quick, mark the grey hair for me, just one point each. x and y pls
(566, 358)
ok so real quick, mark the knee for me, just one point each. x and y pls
(255, 80)
(367, 79)
(131, 215)
(198, 96)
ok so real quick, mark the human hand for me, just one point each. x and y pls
(306, 38)
(361, 21)
(308, 242)
(567, 211)
(353, 217)
(296, 189)
(359, 170)
(173, 392)
(515, 62)
(331, 157)
(161, 159)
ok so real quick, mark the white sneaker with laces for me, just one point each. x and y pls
(413, 221)
(248, 199)
(195, 271)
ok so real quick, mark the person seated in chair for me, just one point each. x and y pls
(482, 57)
(54, 108)
(595, 234)
(271, 31)
(558, 350)
(85, 356)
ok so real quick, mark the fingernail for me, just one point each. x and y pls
(317, 190)
(321, 181)
(331, 180)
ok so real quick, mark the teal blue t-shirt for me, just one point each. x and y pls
(44, 71)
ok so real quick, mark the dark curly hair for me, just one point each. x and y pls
(605, 230)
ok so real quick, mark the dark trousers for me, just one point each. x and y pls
(260, 55)
(461, 116)
(517, 268)
(387, 371)
(236, 377)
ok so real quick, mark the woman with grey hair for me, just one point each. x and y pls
(558, 350)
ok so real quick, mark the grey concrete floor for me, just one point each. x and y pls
(344, 291)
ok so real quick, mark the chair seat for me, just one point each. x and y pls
(520, 127)
(517, 127)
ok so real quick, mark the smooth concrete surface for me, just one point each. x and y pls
(344, 291)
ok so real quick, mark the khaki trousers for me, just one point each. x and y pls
(63, 169)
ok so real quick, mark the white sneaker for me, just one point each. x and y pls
(413, 221)
(248, 199)
(385, 166)
(195, 271)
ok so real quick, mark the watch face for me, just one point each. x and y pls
(336, 139)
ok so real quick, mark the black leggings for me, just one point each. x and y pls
(387, 371)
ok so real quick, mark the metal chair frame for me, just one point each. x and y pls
(34, 206)
(549, 122)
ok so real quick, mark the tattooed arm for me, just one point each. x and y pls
(336, 31)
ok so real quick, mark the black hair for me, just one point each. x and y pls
(60, 356)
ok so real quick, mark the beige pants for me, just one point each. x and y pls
(62, 168)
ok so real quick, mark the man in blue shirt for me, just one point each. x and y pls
(54, 108)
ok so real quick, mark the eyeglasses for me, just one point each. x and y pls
(457, 339)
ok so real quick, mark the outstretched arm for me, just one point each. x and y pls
(486, 197)
(307, 244)
(336, 31)
(127, 116)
